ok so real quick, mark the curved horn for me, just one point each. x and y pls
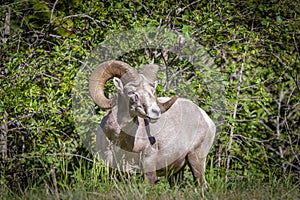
(103, 73)
(166, 105)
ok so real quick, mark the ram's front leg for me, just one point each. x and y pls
(150, 177)
(149, 168)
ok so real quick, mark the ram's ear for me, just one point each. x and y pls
(150, 71)
(118, 83)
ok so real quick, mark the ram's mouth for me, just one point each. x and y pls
(153, 120)
(142, 114)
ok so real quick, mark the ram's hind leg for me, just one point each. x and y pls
(197, 166)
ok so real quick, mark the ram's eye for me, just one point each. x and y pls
(136, 97)
(133, 96)
(129, 93)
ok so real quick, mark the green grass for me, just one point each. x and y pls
(91, 180)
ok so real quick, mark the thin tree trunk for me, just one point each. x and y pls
(231, 132)
(3, 146)
(6, 26)
(3, 137)
(278, 126)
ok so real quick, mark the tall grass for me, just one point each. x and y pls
(85, 179)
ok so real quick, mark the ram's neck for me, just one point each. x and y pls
(120, 127)
(123, 117)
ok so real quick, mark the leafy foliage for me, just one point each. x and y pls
(255, 45)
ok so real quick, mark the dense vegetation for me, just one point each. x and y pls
(255, 47)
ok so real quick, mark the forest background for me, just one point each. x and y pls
(254, 44)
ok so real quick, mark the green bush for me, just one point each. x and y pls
(255, 46)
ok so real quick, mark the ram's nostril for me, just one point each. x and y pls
(155, 111)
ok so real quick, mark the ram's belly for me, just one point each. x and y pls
(170, 168)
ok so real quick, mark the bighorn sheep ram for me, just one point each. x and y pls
(179, 132)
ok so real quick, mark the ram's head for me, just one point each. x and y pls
(136, 90)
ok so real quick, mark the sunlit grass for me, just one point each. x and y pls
(93, 180)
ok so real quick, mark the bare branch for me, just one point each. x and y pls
(7, 23)
(52, 11)
(86, 16)
(182, 9)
